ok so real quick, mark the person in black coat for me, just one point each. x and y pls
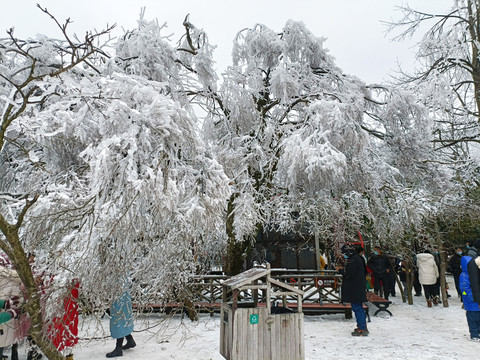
(354, 287)
(416, 281)
(392, 277)
(455, 268)
(473, 269)
(380, 266)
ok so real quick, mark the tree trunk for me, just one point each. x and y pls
(443, 282)
(235, 252)
(475, 35)
(410, 279)
(32, 306)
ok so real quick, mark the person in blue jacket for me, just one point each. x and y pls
(121, 324)
(471, 307)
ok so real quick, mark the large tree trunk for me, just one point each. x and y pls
(236, 250)
(14, 250)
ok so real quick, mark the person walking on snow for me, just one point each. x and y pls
(428, 274)
(354, 288)
(121, 323)
(471, 307)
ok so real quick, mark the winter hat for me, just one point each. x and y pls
(477, 261)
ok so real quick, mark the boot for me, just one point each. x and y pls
(365, 331)
(116, 352)
(130, 343)
(435, 300)
(15, 352)
(360, 333)
(429, 303)
(118, 349)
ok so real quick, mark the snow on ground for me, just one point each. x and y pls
(413, 332)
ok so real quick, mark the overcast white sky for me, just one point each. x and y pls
(353, 29)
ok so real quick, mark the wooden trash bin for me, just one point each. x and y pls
(254, 330)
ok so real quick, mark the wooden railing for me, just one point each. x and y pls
(204, 292)
(319, 286)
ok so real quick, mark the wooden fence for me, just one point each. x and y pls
(322, 292)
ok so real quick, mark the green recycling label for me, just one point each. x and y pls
(254, 319)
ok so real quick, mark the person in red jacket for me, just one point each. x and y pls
(64, 329)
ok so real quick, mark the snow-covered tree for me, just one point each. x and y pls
(103, 173)
(446, 84)
(289, 129)
(31, 76)
(447, 75)
(287, 124)
(446, 81)
(310, 147)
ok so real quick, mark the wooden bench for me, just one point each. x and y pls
(381, 303)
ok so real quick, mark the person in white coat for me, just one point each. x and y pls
(428, 275)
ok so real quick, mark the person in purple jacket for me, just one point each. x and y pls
(469, 304)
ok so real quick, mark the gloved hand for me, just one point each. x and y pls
(13, 302)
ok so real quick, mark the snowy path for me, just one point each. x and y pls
(414, 332)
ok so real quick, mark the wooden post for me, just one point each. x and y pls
(235, 299)
(269, 285)
(234, 305)
(443, 269)
(212, 296)
(317, 250)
